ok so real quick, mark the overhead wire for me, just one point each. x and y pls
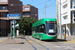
(50, 5)
(41, 3)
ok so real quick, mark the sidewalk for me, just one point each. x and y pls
(18, 40)
(3, 38)
(67, 37)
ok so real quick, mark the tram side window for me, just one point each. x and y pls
(37, 29)
(42, 28)
(33, 29)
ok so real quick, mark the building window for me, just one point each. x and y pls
(26, 13)
(26, 8)
(73, 3)
(3, 7)
(65, 6)
(11, 4)
(3, 14)
(74, 19)
(3, 0)
(65, 17)
(74, 13)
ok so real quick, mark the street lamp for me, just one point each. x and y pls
(45, 8)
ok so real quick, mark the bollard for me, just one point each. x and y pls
(65, 36)
(24, 32)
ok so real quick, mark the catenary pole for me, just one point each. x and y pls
(45, 8)
(60, 18)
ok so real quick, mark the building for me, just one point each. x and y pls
(30, 11)
(67, 16)
(14, 7)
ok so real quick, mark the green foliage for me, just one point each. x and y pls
(25, 24)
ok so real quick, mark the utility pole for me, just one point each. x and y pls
(60, 18)
(14, 30)
(45, 8)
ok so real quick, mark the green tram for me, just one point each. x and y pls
(45, 29)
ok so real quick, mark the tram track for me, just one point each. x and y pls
(64, 46)
(31, 45)
(50, 43)
(59, 45)
(34, 42)
(40, 44)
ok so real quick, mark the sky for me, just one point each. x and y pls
(50, 7)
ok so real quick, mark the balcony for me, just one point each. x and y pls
(3, 18)
(3, 2)
(26, 8)
(26, 15)
(4, 11)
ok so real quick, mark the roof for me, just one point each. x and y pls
(42, 21)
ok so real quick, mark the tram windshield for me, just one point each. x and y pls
(51, 28)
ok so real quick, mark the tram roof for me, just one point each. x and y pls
(42, 21)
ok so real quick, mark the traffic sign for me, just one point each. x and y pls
(13, 16)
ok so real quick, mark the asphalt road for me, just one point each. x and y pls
(35, 44)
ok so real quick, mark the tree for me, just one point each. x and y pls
(25, 24)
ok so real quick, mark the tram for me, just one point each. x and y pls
(45, 29)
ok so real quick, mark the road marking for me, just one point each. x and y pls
(73, 41)
(60, 42)
(65, 42)
(69, 41)
(44, 41)
(0, 41)
(30, 41)
(37, 41)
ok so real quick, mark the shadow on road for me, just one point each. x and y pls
(58, 40)
(3, 36)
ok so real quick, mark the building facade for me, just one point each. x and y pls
(14, 7)
(67, 16)
(30, 11)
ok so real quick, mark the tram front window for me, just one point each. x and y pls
(51, 28)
